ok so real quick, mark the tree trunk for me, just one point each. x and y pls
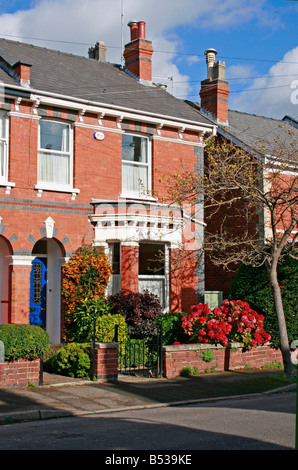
(282, 327)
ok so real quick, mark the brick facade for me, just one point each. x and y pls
(97, 175)
(49, 222)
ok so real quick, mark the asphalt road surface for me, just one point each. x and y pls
(266, 422)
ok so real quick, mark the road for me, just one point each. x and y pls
(265, 422)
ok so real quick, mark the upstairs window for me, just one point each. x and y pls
(3, 148)
(55, 153)
(136, 161)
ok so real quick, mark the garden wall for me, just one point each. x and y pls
(20, 373)
(176, 357)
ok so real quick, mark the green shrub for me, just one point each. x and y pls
(49, 356)
(207, 355)
(24, 341)
(73, 360)
(186, 371)
(172, 329)
(105, 328)
(86, 312)
(96, 310)
(252, 285)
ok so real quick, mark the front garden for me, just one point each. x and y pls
(228, 337)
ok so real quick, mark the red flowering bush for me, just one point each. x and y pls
(233, 321)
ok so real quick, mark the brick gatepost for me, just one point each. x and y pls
(106, 361)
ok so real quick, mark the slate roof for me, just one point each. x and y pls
(256, 131)
(251, 131)
(80, 77)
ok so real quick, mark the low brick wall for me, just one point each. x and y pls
(20, 373)
(106, 362)
(175, 358)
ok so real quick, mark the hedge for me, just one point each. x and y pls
(24, 341)
(72, 360)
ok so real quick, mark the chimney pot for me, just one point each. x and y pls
(210, 53)
(210, 61)
(142, 26)
(134, 30)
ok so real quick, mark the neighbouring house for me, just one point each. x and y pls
(251, 133)
(84, 145)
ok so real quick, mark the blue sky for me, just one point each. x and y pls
(257, 39)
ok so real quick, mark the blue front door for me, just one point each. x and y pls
(38, 292)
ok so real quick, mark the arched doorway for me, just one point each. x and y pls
(45, 287)
(5, 257)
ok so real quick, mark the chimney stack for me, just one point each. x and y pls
(215, 90)
(22, 72)
(98, 52)
(138, 52)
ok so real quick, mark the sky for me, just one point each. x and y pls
(257, 40)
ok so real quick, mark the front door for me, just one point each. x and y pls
(38, 292)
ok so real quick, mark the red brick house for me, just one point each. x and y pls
(250, 132)
(83, 143)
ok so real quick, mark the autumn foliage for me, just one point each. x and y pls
(84, 276)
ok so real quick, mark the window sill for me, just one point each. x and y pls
(137, 196)
(152, 276)
(8, 186)
(56, 188)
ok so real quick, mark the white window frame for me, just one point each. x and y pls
(139, 194)
(56, 186)
(4, 141)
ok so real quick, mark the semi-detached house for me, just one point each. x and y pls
(84, 147)
(250, 132)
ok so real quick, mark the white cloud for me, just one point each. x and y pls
(239, 73)
(272, 95)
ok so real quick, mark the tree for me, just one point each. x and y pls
(250, 204)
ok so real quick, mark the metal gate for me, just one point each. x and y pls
(141, 356)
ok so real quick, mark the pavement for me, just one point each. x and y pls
(60, 396)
